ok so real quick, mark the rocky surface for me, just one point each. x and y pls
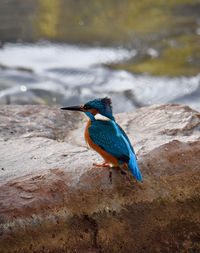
(53, 200)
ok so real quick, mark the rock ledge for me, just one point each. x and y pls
(53, 200)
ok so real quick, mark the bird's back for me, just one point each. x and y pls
(96, 146)
(109, 138)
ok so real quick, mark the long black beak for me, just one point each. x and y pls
(73, 108)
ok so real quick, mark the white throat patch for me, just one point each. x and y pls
(99, 116)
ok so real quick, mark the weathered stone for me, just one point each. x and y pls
(53, 200)
(30, 121)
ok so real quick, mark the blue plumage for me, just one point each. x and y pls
(102, 105)
(111, 138)
(107, 137)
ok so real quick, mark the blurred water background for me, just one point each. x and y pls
(67, 52)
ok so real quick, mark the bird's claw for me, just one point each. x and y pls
(101, 165)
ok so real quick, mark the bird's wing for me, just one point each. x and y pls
(124, 134)
(110, 137)
(105, 135)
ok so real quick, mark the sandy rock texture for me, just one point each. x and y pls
(52, 199)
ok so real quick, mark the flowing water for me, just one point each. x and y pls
(52, 73)
(158, 40)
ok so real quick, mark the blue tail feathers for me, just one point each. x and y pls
(133, 167)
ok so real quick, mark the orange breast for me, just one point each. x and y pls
(107, 157)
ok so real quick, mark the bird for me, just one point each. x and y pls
(106, 137)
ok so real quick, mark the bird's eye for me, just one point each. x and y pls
(87, 107)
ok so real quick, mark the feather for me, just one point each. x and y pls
(113, 140)
(99, 116)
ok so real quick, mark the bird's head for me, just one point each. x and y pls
(102, 106)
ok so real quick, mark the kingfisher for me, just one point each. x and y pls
(106, 137)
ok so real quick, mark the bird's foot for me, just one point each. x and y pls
(101, 165)
(105, 165)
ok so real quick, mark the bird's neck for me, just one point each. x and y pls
(90, 115)
(99, 116)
